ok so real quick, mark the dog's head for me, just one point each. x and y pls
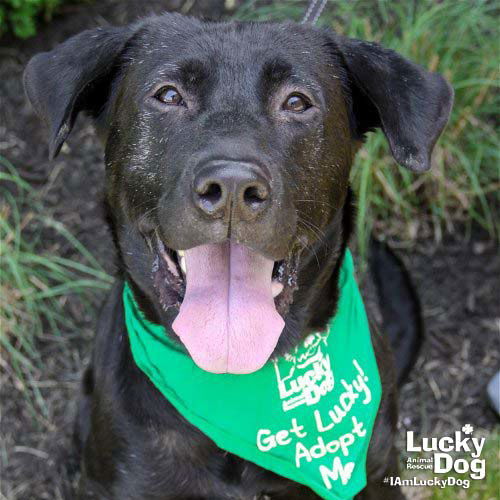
(228, 150)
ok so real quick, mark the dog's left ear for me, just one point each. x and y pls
(75, 76)
(410, 104)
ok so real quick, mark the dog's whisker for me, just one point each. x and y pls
(146, 214)
(319, 233)
(306, 246)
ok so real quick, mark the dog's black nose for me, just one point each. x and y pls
(231, 189)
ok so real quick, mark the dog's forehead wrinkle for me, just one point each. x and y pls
(248, 42)
(167, 68)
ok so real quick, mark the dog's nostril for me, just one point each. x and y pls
(211, 193)
(254, 196)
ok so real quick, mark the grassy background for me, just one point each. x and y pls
(19, 16)
(456, 38)
(35, 282)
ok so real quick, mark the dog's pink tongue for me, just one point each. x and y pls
(227, 320)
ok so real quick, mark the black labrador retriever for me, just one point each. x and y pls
(224, 136)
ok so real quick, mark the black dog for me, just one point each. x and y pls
(241, 136)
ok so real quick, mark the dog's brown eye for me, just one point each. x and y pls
(296, 103)
(170, 96)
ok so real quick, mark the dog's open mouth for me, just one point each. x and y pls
(231, 302)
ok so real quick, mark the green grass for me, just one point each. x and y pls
(20, 16)
(459, 40)
(35, 282)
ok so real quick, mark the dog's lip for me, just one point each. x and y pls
(176, 263)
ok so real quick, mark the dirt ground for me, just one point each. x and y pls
(458, 283)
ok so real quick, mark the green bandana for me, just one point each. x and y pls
(307, 416)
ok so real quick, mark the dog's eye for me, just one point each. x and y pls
(170, 96)
(296, 103)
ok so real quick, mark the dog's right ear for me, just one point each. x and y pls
(73, 77)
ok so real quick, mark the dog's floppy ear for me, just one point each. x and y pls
(73, 77)
(410, 104)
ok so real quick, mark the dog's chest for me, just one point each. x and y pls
(177, 464)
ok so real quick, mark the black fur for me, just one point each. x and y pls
(400, 306)
(234, 77)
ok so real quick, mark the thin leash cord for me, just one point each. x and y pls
(313, 11)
